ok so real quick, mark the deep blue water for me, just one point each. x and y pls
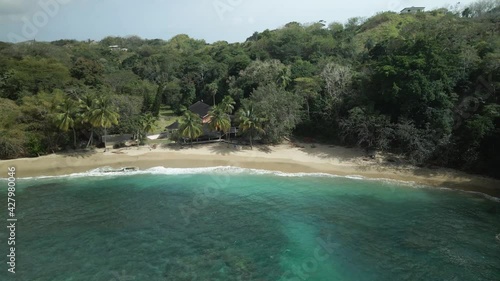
(229, 224)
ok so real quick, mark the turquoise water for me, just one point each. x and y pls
(231, 224)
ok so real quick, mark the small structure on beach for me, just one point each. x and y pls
(173, 127)
(412, 10)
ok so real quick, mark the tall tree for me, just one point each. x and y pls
(86, 104)
(66, 118)
(219, 120)
(284, 77)
(250, 123)
(307, 88)
(281, 109)
(227, 105)
(190, 126)
(155, 109)
(213, 88)
(148, 123)
(338, 83)
(104, 115)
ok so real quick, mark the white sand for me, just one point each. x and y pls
(288, 157)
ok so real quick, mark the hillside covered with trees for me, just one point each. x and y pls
(421, 85)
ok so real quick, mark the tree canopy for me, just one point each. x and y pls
(421, 85)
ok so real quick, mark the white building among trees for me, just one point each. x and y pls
(412, 10)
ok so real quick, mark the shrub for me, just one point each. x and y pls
(119, 145)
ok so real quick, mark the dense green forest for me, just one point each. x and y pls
(421, 85)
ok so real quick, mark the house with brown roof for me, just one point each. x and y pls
(202, 109)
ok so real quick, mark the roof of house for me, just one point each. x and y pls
(412, 8)
(174, 126)
(200, 108)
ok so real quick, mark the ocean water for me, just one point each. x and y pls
(234, 224)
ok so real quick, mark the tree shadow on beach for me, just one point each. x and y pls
(265, 149)
(173, 146)
(231, 148)
(83, 153)
(224, 149)
(324, 151)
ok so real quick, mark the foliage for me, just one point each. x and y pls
(129, 110)
(65, 119)
(280, 109)
(227, 105)
(424, 86)
(251, 124)
(30, 75)
(12, 135)
(88, 71)
(366, 129)
(190, 125)
(219, 120)
(103, 115)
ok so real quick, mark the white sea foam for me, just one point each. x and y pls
(489, 197)
(220, 170)
(230, 170)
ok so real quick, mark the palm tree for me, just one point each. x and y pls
(85, 110)
(250, 123)
(147, 124)
(191, 126)
(219, 120)
(284, 78)
(103, 115)
(213, 88)
(227, 105)
(66, 117)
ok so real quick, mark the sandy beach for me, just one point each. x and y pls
(289, 157)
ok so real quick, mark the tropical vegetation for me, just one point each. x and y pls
(424, 86)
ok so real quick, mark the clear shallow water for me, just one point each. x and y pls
(230, 224)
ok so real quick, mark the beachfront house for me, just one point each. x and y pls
(202, 109)
(412, 10)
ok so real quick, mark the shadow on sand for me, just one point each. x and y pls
(324, 151)
(223, 149)
(82, 153)
(231, 148)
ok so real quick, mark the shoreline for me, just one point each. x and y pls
(287, 158)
